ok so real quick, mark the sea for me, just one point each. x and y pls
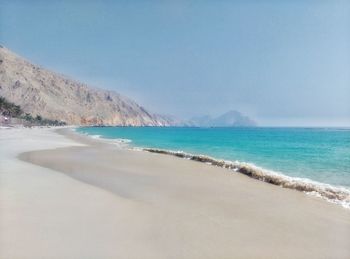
(318, 157)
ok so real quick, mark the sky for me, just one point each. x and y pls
(283, 63)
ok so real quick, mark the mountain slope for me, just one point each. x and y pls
(228, 119)
(53, 96)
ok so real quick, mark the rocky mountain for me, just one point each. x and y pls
(41, 92)
(228, 119)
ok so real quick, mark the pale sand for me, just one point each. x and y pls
(114, 203)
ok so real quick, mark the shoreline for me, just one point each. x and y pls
(80, 197)
(334, 194)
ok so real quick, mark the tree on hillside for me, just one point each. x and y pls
(38, 118)
(28, 117)
(9, 109)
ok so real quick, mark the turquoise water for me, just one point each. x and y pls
(318, 154)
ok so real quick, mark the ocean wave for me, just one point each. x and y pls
(123, 140)
(118, 141)
(334, 194)
(95, 136)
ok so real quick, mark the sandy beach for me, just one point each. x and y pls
(64, 195)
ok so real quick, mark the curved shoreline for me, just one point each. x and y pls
(74, 186)
(330, 193)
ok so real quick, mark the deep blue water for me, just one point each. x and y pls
(320, 154)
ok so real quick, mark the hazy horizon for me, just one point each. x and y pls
(282, 64)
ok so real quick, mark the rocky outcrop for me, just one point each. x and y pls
(56, 97)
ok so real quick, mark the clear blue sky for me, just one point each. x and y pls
(282, 62)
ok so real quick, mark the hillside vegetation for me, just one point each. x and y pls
(10, 110)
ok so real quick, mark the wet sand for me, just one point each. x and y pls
(73, 197)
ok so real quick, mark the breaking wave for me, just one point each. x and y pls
(118, 141)
(338, 195)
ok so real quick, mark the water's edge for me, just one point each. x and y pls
(330, 193)
(333, 194)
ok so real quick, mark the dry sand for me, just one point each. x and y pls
(80, 198)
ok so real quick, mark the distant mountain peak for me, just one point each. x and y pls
(231, 118)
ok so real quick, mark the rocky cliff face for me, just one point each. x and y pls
(53, 96)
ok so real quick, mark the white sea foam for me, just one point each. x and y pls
(124, 140)
(334, 194)
(119, 141)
